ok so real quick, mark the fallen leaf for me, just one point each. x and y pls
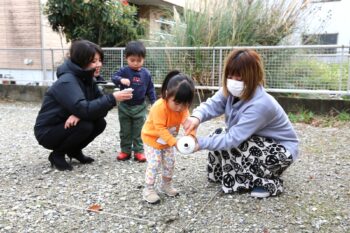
(315, 122)
(95, 208)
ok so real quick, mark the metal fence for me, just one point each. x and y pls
(290, 69)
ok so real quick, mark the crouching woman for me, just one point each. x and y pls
(258, 143)
(73, 109)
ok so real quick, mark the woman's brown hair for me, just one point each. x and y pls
(247, 64)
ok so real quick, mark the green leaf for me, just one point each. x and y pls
(107, 23)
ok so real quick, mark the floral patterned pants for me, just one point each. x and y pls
(258, 161)
(164, 158)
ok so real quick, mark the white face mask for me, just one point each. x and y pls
(235, 87)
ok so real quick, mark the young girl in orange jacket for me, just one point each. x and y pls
(160, 130)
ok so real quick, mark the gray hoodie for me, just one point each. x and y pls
(261, 115)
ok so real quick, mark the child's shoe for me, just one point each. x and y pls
(150, 195)
(140, 157)
(168, 189)
(123, 156)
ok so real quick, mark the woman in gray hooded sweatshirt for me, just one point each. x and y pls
(258, 142)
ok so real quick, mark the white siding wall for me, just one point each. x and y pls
(333, 17)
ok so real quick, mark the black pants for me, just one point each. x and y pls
(73, 139)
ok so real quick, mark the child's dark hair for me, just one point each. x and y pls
(135, 48)
(82, 52)
(179, 86)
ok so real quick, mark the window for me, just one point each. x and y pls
(322, 39)
(165, 25)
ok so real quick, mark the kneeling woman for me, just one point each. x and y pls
(73, 110)
(258, 142)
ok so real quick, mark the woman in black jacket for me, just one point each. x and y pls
(73, 110)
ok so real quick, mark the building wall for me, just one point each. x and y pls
(51, 39)
(338, 20)
(177, 2)
(152, 14)
(17, 31)
(332, 17)
(21, 26)
(16, 28)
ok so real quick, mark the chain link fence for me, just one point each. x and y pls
(289, 69)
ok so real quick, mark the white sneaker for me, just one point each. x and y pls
(260, 192)
(150, 195)
(168, 190)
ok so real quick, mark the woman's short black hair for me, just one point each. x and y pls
(82, 52)
(179, 86)
(135, 48)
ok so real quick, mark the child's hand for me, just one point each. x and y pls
(173, 131)
(125, 81)
(190, 124)
(149, 108)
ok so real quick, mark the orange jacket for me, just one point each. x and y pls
(159, 121)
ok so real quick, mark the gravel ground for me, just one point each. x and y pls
(36, 198)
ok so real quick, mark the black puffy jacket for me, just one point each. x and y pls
(74, 93)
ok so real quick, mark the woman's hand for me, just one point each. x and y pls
(71, 121)
(122, 95)
(196, 147)
(190, 124)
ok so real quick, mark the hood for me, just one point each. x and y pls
(69, 67)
